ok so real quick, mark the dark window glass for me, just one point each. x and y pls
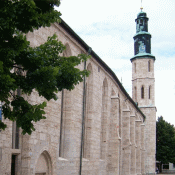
(149, 64)
(149, 92)
(135, 89)
(141, 21)
(142, 92)
(13, 164)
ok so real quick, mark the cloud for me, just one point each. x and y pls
(108, 27)
(165, 93)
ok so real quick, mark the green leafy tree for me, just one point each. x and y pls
(23, 68)
(165, 141)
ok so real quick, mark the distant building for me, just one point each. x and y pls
(118, 137)
(168, 168)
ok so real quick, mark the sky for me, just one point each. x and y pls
(108, 28)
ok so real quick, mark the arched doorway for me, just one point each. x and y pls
(43, 166)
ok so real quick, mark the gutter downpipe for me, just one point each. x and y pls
(83, 115)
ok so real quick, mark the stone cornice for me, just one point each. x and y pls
(114, 97)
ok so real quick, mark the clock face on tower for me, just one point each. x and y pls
(142, 48)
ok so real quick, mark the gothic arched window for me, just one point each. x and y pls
(67, 52)
(88, 109)
(103, 138)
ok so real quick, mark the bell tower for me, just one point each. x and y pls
(142, 64)
(143, 86)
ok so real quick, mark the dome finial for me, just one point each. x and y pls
(141, 8)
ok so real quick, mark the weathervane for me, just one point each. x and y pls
(141, 8)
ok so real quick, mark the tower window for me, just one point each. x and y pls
(149, 93)
(149, 65)
(142, 92)
(135, 67)
(141, 21)
(135, 93)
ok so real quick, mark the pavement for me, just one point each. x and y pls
(173, 173)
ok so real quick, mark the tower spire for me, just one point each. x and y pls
(141, 8)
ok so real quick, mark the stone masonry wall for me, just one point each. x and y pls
(114, 145)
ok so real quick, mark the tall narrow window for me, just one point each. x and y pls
(15, 136)
(103, 139)
(15, 130)
(67, 52)
(65, 126)
(13, 164)
(149, 64)
(141, 21)
(88, 111)
(135, 93)
(85, 125)
(149, 93)
(0, 112)
(64, 117)
(135, 67)
(120, 120)
(142, 92)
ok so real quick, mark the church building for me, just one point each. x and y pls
(95, 129)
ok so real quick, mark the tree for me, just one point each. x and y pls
(165, 141)
(23, 68)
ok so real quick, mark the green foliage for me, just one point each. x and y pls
(165, 141)
(23, 68)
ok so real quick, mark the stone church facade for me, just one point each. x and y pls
(95, 129)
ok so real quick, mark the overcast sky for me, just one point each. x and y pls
(108, 28)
